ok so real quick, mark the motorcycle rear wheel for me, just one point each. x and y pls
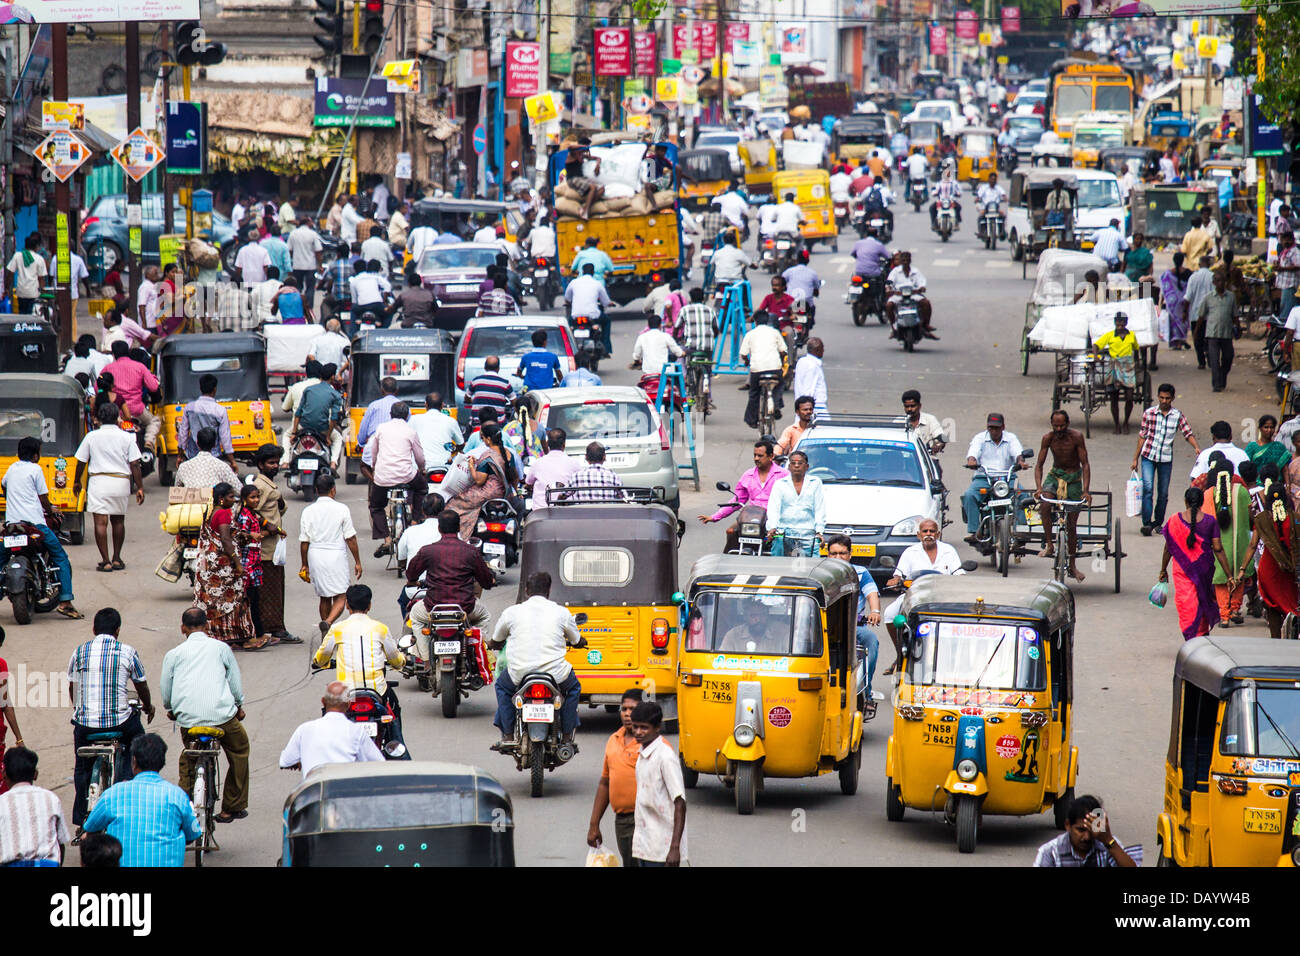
(536, 770)
(22, 607)
(450, 694)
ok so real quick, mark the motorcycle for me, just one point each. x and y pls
(918, 193)
(1274, 340)
(308, 457)
(841, 214)
(31, 578)
(1008, 159)
(538, 745)
(188, 541)
(749, 531)
(907, 320)
(456, 661)
(767, 257)
(999, 504)
(369, 708)
(538, 279)
(497, 530)
(992, 225)
(587, 336)
(866, 295)
(787, 251)
(946, 219)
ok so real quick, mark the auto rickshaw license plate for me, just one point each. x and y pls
(864, 551)
(718, 692)
(941, 735)
(1262, 820)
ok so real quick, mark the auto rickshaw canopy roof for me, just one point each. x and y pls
(1216, 664)
(40, 385)
(707, 164)
(828, 579)
(405, 340)
(647, 533)
(180, 365)
(940, 594)
(58, 398)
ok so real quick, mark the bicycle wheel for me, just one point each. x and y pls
(1061, 560)
(199, 802)
(1004, 545)
(101, 778)
(706, 394)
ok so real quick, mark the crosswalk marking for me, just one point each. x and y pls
(998, 264)
(945, 263)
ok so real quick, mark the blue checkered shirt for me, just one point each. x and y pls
(151, 818)
(101, 669)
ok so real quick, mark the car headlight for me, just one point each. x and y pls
(744, 734)
(906, 528)
(968, 769)
(1001, 488)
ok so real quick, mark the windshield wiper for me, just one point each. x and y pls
(894, 482)
(1278, 730)
(992, 658)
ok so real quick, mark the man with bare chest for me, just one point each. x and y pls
(1067, 481)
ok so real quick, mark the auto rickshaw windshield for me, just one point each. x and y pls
(961, 654)
(240, 378)
(1262, 720)
(52, 421)
(977, 144)
(763, 624)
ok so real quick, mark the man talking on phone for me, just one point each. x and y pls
(1087, 840)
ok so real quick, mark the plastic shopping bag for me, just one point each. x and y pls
(600, 856)
(281, 552)
(1159, 594)
(1133, 496)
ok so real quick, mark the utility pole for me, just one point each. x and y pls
(7, 144)
(720, 52)
(132, 121)
(164, 41)
(62, 198)
(1261, 164)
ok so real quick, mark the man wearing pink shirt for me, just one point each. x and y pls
(553, 468)
(397, 461)
(755, 485)
(131, 381)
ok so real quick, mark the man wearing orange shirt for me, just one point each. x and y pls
(617, 787)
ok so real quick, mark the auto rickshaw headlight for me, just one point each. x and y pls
(744, 734)
(968, 769)
(1001, 488)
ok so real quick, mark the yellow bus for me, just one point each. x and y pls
(1076, 87)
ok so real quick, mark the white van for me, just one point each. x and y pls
(1098, 203)
(940, 111)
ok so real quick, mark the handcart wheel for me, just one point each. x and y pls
(1087, 409)
(1024, 352)
(1118, 554)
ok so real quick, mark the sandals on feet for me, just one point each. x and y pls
(118, 565)
(105, 566)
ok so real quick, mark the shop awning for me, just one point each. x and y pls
(258, 130)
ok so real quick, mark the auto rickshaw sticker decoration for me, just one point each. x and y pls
(1026, 769)
(1007, 746)
(779, 716)
(60, 473)
(594, 657)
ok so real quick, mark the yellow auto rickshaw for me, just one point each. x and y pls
(1232, 763)
(984, 713)
(238, 361)
(758, 158)
(420, 361)
(615, 561)
(977, 153)
(812, 194)
(770, 684)
(924, 134)
(50, 407)
(704, 174)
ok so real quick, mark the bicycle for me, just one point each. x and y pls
(1064, 553)
(106, 748)
(398, 520)
(768, 382)
(699, 368)
(203, 745)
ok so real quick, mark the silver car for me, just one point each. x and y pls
(624, 420)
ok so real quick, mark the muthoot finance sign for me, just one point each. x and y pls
(337, 100)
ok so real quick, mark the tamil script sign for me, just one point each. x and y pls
(1146, 8)
(98, 11)
(337, 99)
(523, 68)
(612, 51)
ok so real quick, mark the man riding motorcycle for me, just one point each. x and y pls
(869, 260)
(991, 194)
(449, 570)
(789, 217)
(902, 279)
(994, 449)
(729, 261)
(801, 282)
(918, 167)
(875, 202)
(947, 189)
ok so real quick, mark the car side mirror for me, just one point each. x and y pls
(580, 619)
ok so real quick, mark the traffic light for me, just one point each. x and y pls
(372, 26)
(192, 47)
(331, 40)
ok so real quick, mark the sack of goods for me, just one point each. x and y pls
(621, 176)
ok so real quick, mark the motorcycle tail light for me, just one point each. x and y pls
(541, 263)
(659, 633)
(655, 277)
(769, 244)
(856, 280)
(436, 477)
(537, 692)
(362, 705)
(496, 526)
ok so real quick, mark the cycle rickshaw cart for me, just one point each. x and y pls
(1057, 281)
(1098, 533)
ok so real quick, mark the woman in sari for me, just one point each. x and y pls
(1173, 288)
(494, 472)
(1229, 502)
(249, 532)
(1291, 474)
(219, 586)
(1192, 541)
(1268, 450)
(1276, 529)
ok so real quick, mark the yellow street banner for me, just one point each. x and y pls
(1177, 60)
(1207, 47)
(689, 94)
(638, 121)
(403, 76)
(542, 108)
(666, 89)
(986, 39)
(64, 116)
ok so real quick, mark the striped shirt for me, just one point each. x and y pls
(695, 322)
(200, 682)
(1158, 430)
(490, 390)
(31, 824)
(599, 480)
(151, 818)
(101, 668)
(1059, 852)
